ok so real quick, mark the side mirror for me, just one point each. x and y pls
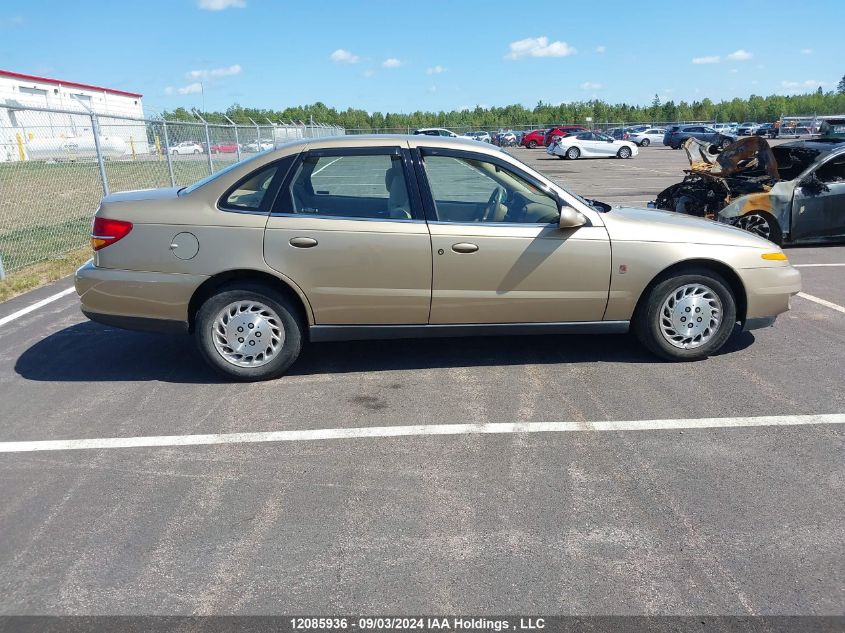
(610, 140)
(571, 218)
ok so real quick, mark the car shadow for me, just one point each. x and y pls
(89, 352)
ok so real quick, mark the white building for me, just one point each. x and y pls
(29, 134)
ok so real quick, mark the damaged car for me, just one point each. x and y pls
(790, 193)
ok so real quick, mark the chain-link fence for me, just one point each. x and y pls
(55, 165)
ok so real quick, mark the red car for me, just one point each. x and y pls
(562, 130)
(533, 139)
(224, 148)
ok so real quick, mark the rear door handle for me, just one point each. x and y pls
(464, 247)
(303, 242)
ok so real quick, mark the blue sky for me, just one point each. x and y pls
(392, 55)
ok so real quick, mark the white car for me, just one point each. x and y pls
(186, 147)
(440, 131)
(591, 145)
(258, 146)
(647, 136)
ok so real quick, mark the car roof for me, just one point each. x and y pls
(823, 145)
(382, 140)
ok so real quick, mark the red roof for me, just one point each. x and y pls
(48, 80)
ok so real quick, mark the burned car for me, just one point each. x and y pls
(790, 193)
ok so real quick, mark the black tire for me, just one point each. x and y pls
(624, 152)
(196, 151)
(726, 142)
(645, 142)
(762, 224)
(532, 144)
(573, 153)
(287, 314)
(648, 319)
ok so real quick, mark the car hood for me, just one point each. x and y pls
(630, 224)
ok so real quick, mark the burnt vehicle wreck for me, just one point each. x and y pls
(793, 192)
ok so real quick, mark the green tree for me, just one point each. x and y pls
(841, 87)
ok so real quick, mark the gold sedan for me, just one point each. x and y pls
(377, 237)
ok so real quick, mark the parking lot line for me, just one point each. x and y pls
(416, 430)
(35, 306)
(823, 302)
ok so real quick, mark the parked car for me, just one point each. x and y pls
(832, 127)
(304, 262)
(619, 133)
(506, 138)
(766, 129)
(438, 131)
(224, 148)
(258, 146)
(483, 137)
(789, 193)
(533, 139)
(561, 131)
(675, 135)
(747, 129)
(647, 136)
(186, 147)
(591, 145)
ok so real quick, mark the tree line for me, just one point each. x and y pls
(753, 108)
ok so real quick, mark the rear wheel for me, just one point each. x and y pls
(532, 144)
(687, 317)
(196, 151)
(726, 142)
(762, 224)
(249, 332)
(573, 153)
(624, 152)
(645, 143)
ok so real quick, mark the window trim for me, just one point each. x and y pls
(282, 206)
(419, 154)
(272, 191)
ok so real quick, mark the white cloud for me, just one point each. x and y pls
(369, 73)
(709, 59)
(740, 56)
(435, 70)
(391, 62)
(190, 89)
(538, 47)
(601, 49)
(589, 85)
(219, 5)
(344, 57)
(228, 71)
(806, 51)
(804, 86)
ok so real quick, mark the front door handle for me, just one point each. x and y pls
(464, 247)
(303, 242)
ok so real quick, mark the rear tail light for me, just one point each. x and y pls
(106, 231)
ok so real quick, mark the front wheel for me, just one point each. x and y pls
(532, 144)
(196, 151)
(573, 153)
(725, 143)
(686, 317)
(248, 332)
(645, 143)
(762, 224)
(624, 152)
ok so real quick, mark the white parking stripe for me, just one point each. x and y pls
(823, 302)
(35, 306)
(816, 265)
(326, 166)
(416, 430)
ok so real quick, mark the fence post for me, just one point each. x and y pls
(237, 143)
(169, 156)
(95, 127)
(257, 136)
(207, 141)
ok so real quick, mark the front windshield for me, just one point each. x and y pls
(593, 204)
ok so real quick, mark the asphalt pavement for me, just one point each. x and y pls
(683, 521)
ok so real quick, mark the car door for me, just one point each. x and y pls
(348, 228)
(820, 213)
(509, 262)
(586, 143)
(606, 145)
